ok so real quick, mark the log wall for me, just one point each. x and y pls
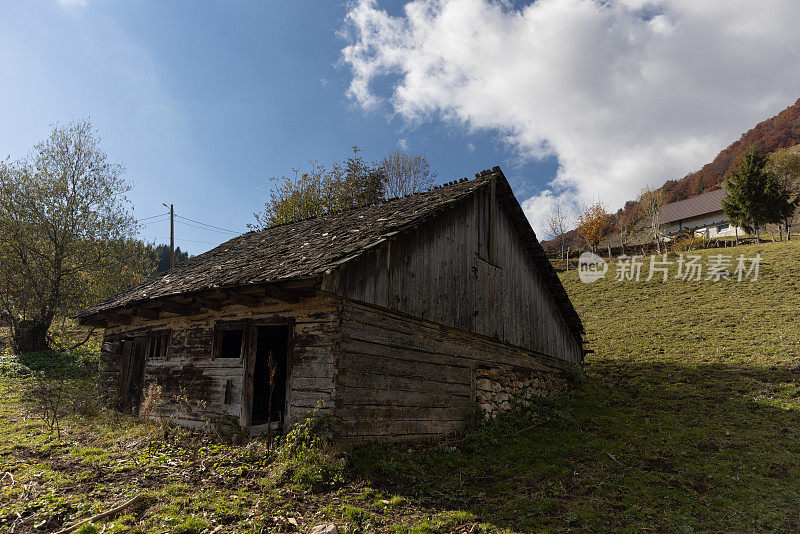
(196, 387)
(404, 378)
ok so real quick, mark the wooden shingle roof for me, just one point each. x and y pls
(315, 247)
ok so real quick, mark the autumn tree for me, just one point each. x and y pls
(755, 196)
(650, 202)
(594, 223)
(785, 165)
(67, 234)
(361, 183)
(321, 190)
(556, 226)
(406, 174)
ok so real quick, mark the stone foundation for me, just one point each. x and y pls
(498, 390)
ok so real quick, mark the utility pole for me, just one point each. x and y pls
(171, 235)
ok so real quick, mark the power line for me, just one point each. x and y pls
(189, 240)
(206, 229)
(145, 225)
(209, 225)
(153, 216)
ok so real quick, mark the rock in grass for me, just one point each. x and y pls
(329, 528)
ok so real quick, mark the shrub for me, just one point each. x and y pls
(689, 242)
(305, 456)
(573, 374)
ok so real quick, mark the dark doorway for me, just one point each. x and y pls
(131, 374)
(269, 396)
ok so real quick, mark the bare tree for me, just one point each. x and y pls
(625, 221)
(406, 174)
(556, 222)
(48, 393)
(650, 203)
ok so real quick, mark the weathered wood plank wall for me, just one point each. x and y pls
(404, 378)
(446, 271)
(195, 386)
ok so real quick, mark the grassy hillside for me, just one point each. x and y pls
(686, 419)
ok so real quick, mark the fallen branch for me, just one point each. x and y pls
(614, 458)
(103, 515)
(218, 529)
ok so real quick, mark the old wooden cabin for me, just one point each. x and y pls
(397, 318)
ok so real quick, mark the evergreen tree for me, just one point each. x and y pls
(756, 196)
(160, 256)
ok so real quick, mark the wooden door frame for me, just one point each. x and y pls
(124, 373)
(251, 333)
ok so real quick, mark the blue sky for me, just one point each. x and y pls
(577, 100)
(203, 101)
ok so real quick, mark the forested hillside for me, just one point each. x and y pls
(780, 131)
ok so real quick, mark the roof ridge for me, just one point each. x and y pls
(382, 201)
(218, 268)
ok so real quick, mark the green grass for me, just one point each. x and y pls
(686, 418)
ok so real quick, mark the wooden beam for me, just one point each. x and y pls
(243, 299)
(119, 318)
(490, 253)
(147, 313)
(181, 309)
(207, 303)
(283, 295)
(307, 284)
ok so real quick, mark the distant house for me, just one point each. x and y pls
(702, 216)
(397, 318)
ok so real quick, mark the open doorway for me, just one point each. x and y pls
(270, 374)
(131, 376)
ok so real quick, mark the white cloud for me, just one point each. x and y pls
(72, 3)
(403, 144)
(625, 92)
